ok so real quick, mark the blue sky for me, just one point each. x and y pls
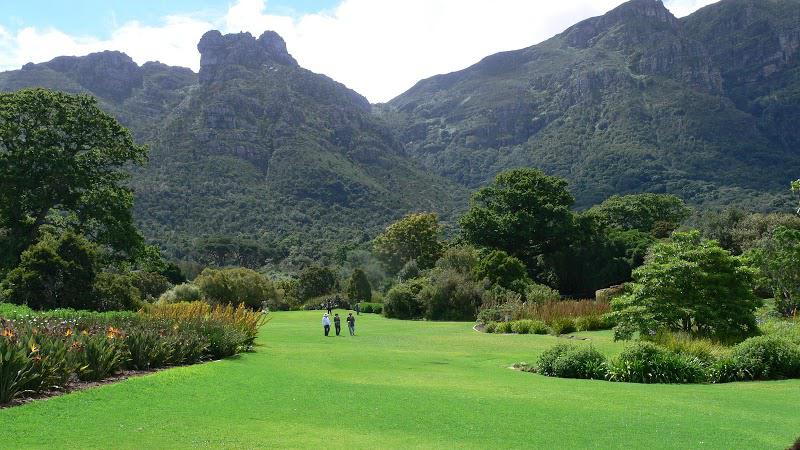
(380, 48)
(100, 18)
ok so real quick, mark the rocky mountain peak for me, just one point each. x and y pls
(218, 51)
(652, 12)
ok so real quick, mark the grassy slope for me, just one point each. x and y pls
(401, 385)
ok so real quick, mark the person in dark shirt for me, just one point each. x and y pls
(358, 308)
(329, 306)
(337, 323)
(351, 324)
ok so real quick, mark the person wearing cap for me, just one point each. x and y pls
(326, 324)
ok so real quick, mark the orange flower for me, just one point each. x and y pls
(113, 332)
(7, 333)
(68, 333)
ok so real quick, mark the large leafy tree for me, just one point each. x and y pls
(62, 162)
(689, 284)
(315, 281)
(650, 213)
(414, 237)
(524, 213)
(778, 257)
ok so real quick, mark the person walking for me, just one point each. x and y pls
(337, 323)
(329, 307)
(358, 308)
(326, 324)
(351, 324)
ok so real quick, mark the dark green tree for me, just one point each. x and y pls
(504, 270)
(57, 272)
(689, 284)
(659, 214)
(358, 287)
(524, 213)
(414, 237)
(62, 161)
(315, 281)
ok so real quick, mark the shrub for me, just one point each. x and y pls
(760, 358)
(56, 272)
(562, 325)
(645, 362)
(705, 350)
(186, 292)
(238, 285)
(115, 292)
(582, 362)
(547, 361)
(539, 327)
(521, 326)
(504, 327)
(451, 296)
(150, 285)
(11, 311)
(374, 308)
(401, 301)
(503, 270)
(539, 293)
(147, 349)
(590, 323)
(490, 327)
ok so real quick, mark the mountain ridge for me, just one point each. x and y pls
(637, 100)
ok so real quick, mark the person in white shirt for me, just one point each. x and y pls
(326, 324)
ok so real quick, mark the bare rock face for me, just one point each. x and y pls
(220, 55)
(109, 74)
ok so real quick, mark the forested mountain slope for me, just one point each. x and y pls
(252, 146)
(636, 100)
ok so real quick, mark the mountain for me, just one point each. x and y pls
(254, 146)
(258, 148)
(704, 107)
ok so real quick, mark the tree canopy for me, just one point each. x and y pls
(414, 237)
(62, 162)
(689, 284)
(650, 213)
(524, 213)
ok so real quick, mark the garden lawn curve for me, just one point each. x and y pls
(402, 384)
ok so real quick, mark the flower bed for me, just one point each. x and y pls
(49, 351)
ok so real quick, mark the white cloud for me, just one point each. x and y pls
(377, 47)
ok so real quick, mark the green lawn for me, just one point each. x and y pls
(401, 385)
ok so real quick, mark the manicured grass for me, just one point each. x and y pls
(402, 385)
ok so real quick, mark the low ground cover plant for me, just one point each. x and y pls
(369, 307)
(44, 352)
(679, 358)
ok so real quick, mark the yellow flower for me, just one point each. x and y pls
(68, 333)
(34, 347)
(7, 333)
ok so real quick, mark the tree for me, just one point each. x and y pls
(659, 214)
(414, 237)
(504, 270)
(524, 213)
(63, 161)
(57, 272)
(689, 284)
(778, 257)
(358, 287)
(315, 281)
(239, 285)
(403, 302)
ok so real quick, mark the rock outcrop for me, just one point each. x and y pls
(223, 56)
